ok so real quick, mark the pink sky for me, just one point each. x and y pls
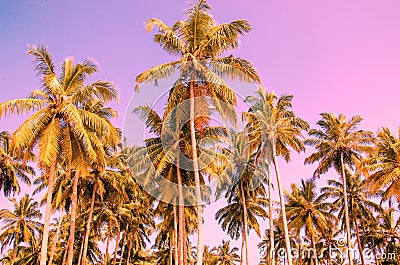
(334, 56)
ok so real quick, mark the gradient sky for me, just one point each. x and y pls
(335, 56)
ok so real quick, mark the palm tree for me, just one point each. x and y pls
(339, 144)
(102, 179)
(279, 243)
(210, 256)
(273, 128)
(226, 254)
(60, 115)
(383, 166)
(20, 225)
(306, 210)
(360, 203)
(245, 190)
(200, 41)
(11, 168)
(389, 229)
(166, 173)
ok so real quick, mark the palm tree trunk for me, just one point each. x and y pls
(271, 221)
(375, 255)
(129, 251)
(244, 221)
(80, 254)
(242, 254)
(88, 225)
(116, 245)
(314, 249)
(107, 244)
(346, 212)
(184, 243)
(175, 235)
(16, 243)
(282, 203)
(360, 248)
(171, 251)
(47, 215)
(74, 204)
(123, 245)
(64, 257)
(300, 256)
(200, 243)
(55, 240)
(181, 215)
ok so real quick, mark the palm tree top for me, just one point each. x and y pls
(338, 136)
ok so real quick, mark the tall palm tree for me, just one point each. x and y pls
(361, 206)
(245, 190)
(168, 174)
(20, 224)
(306, 210)
(11, 168)
(200, 41)
(339, 143)
(273, 129)
(60, 115)
(383, 166)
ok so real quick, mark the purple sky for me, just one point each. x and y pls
(334, 56)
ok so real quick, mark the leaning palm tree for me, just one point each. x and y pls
(273, 129)
(339, 144)
(199, 42)
(20, 224)
(11, 168)
(383, 166)
(60, 123)
(307, 210)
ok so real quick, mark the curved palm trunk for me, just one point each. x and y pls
(283, 210)
(88, 225)
(107, 244)
(116, 245)
(55, 240)
(175, 236)
(360, 248)
(346, 212)
(271, 221)
(244, 233)
(47, 215)
(74, 204)
(199, 208)
(181, 215)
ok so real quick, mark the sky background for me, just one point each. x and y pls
(334, 56)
